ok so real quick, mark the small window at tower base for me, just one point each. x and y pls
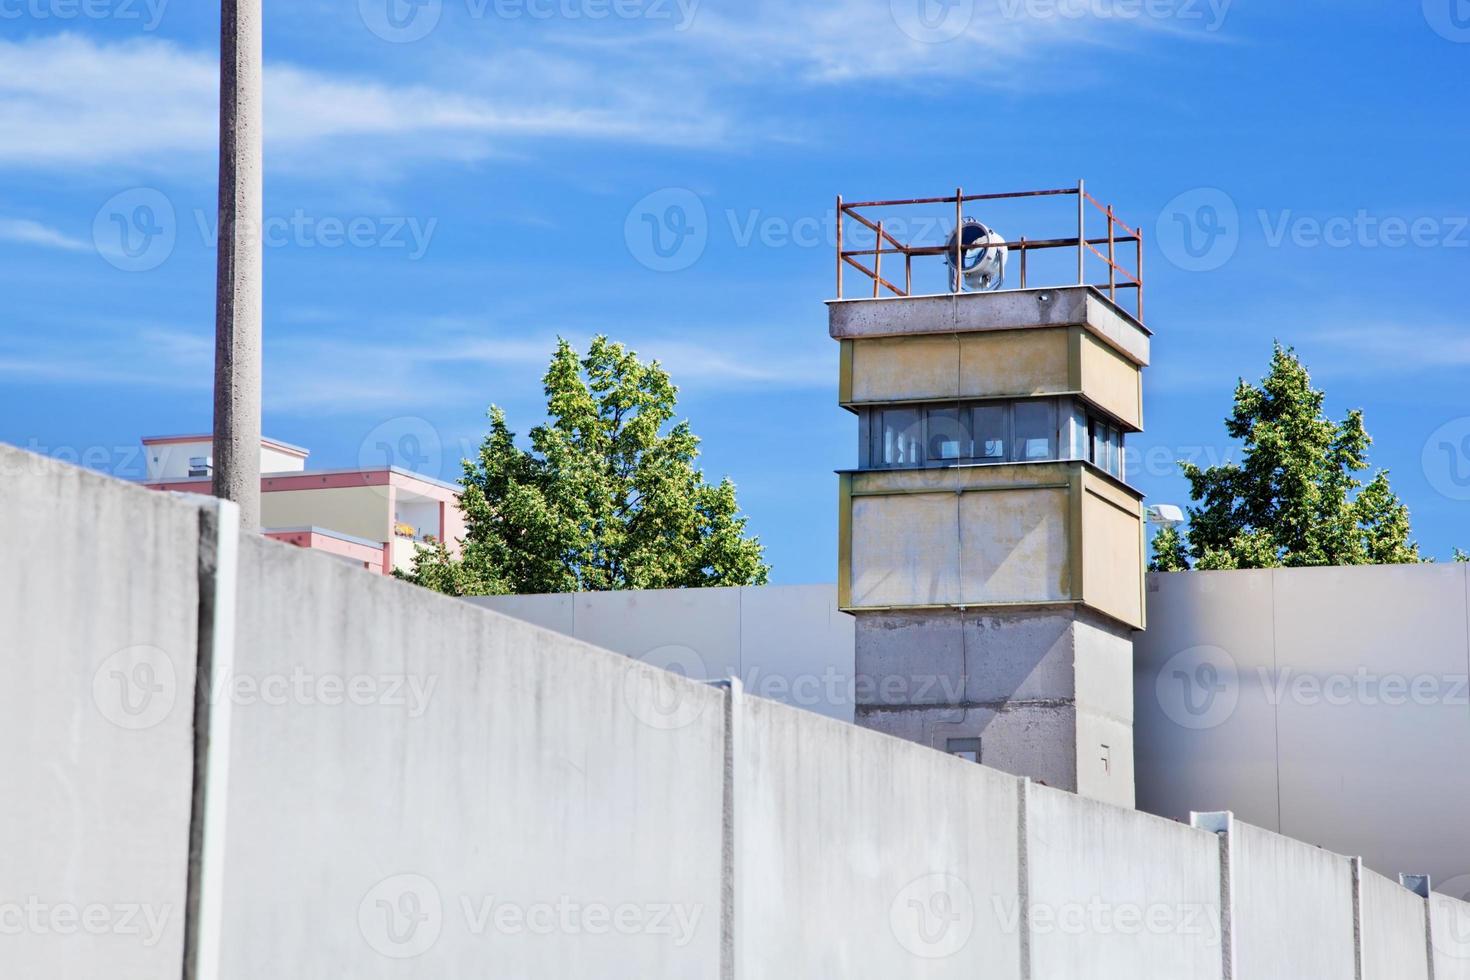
(964, 748)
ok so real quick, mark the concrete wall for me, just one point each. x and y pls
(1330, 705)
(1393, 926)
(1450, 937)
(99, 628)
(491, 773)
(1291, 908)
(834, 883)
(788, 643)
(1047, 694)
(390, 783)
(1115, 893)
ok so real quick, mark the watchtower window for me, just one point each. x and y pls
(1036, 430)
(992, 433)
(897, 436)
(949, 434)
(1018, 431)
(1105, 446)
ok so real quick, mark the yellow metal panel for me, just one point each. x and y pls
(844, 541)
(359, 511)
(905, 550)
(1074, 524)
(1112, 381)
(905, 368)
(1113, 569)
(991, 536)
(1074, 357)
(844, 374)
(1015, 546)
(1122, 497)
(1014, 362)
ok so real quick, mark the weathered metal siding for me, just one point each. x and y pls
(966, 536)
(1112, 554)
(1111, 381)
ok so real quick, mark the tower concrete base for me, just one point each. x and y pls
(1047, 692)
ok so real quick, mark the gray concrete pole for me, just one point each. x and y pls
(237, 344)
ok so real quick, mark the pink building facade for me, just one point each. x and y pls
(378, 517)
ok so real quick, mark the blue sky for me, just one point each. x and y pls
(494, 161)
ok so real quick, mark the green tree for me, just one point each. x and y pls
(1171, 551)
(1293, 500)
(607, 497)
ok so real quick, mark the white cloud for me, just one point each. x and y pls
(66, 100)
(69, 101)
(127, 355)
(981, 43)
(448, 364)
(1383, 348)
(27, 232)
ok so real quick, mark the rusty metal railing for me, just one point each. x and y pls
(885, 243)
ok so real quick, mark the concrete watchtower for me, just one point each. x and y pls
(991, 547)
